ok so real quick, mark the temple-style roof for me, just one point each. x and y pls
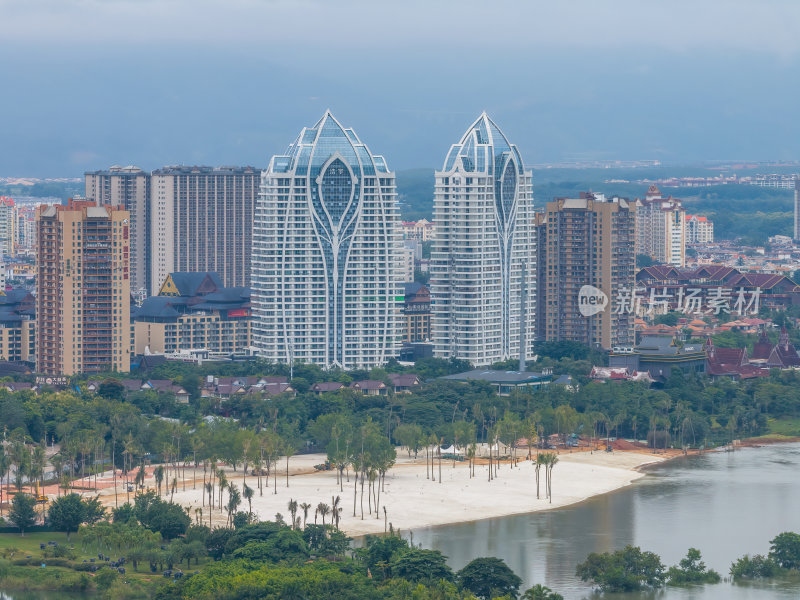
(187, 283)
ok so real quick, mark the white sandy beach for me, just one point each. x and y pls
(414, 502)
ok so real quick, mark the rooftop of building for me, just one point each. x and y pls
(317, 144)
(498, 377)
(205, 170)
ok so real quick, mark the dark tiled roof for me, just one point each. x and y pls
(404, 379)
(368, 384)
(326, 386)
(160, 307)
(192, 283)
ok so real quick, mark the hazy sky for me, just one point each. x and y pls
(90, 83)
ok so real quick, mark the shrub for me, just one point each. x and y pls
(757, 567)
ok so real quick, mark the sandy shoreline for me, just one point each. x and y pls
(412, 501)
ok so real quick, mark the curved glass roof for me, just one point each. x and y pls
(484, 148)
(316, 144)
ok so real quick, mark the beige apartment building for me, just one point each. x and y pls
(83, 289)
(699, 230)
(586, 241)
(661, 228)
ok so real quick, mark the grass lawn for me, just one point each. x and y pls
(30, 543)
(789, 427)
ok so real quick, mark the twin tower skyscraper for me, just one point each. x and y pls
(327, 252)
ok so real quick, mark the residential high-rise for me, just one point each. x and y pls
(201, 219)
(8, 226)
(797, 208)
(327, 253)
(26, 229)
(587, 241)
(82, 289)
(127, 188)
(661, 228)
(483, 260)
(699, 230)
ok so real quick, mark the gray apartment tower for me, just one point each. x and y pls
(127, 188)
(201, 219)
(183, 219)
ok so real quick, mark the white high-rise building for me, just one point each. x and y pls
(661, 228)
(483, 261)
(327, 253)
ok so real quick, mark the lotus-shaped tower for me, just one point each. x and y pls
(326, 253)
(483, 264)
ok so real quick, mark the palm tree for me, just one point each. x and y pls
(323, 509)
(198, 515)
(247, 492)
(57, 462)
(222, 483)
(234, 500)
(537, 463)
(209, 491)
(292, 510)
(158, 474)
(551, 462)
(304, 506)
(336, 510)
(38, 461)
(140, 474)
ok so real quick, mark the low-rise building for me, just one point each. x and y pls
(404, 383)
(504, 381)
(660, 356)
(422, 230)
(416, 313)
(17, 326)
(194, 312)
(370, 387)
(699, 230)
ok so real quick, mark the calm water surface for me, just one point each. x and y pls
(725, 504)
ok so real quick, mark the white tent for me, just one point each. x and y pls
(452, 450)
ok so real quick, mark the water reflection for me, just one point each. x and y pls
(725, 504)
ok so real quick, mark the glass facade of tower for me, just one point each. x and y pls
(327, 253)
(483, 262)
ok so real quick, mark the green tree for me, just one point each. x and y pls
(541, 592)
(416, 564)
(67, 513)
(22, 513)
(625, 570)
(488, 578)
(94, 510)
(105, 578)
(692, 570)
(757, 567)
(785, 550)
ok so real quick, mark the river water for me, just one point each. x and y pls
(726, 504)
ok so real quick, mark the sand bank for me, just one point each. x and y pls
(413, 501)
